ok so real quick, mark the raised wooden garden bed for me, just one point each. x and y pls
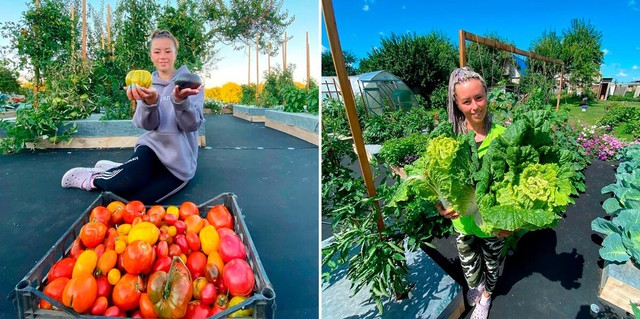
(222, 111)
(94, 133)
(301, 125)
(620, 285)
(249, 113)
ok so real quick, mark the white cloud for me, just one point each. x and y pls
(365, 7)
(622, 74)
(605, 51)
(635, 67)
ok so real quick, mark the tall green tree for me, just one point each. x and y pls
(244, 22)
(423, 62)
(328, 69)
(8, 78)
(42, 37)
(134, 22)
(187, 24)
(582, 52)
(541, 75)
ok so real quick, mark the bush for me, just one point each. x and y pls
(617, 115)
(401, 123)
(248, 95)
(403, 151)
(439, 98)
(274, 86)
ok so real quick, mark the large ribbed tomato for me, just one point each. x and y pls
(138, 257)
(92, 234)
(238, 277)
(171, 292)
(220, 217)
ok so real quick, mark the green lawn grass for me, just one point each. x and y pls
(594, 113)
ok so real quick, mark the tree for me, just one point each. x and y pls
(187, 24)
(8, 79)
(582, 52)
(490, 62)
(244, 22)
(328, 69)
(423, 62)
(134, 22)
(541, 74)
(42, 37)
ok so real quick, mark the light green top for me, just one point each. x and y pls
(466, 225)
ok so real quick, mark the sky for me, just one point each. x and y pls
(233, 65)
(362, 23)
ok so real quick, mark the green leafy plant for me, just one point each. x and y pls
(248, 94)
(622, 241)
(527, 177)
(396, 151)
(274, 86)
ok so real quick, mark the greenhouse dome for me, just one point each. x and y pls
(383, 91)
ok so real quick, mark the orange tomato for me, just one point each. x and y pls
(80, 293)
(54, 290)
(116, 208)
(194, 223)
(107, 261)
(187, 209)
(147, 308)
(100, 214)
(127, 292)
(220, 217)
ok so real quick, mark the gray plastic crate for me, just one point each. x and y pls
(27, 293)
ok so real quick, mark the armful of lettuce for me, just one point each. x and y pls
(444, 172)
(526, 179)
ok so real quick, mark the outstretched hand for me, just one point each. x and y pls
(450, 213)
(181, 95)
(136, 92)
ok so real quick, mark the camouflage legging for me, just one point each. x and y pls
(481, 259)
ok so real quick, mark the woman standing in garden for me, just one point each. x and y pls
(165, 156)
(480, 253)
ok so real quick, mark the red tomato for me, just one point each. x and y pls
(110, 241)
(208, 294)
(162, 249)
(231, 247)
(197, 310)
(126, 293)
(193, 241)
(100, 214)
(187, 209)
(238, 277)
(170, 219)
(196, 262)
(54, 289)
(147, 309)
(116, 208)
(181, 241)
(99, 250)
(92, 234)
(80, 293)
(181, 227)
(104, 287)
(174, 250)
(114, 311)
(220, 217)
(133, 209)
(162, 263)
(63, 268)
(99, 306)
(138, 257)
(76, 248)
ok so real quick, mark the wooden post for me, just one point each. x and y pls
(349, 103)
(84, 31)
(308, 63)
(36, 72)
(37, 3)
(284, 53)
(560, 88)
(249, 66)
(257, 59)
(73, 39)
(109, 28)
(463, 48)
(268, 57)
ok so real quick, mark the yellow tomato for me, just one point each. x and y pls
(240, 313)
(209, 239)
(114, 276)
(85, 264)
(144, 231)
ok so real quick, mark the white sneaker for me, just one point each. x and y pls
(79, 177)
(106, 165)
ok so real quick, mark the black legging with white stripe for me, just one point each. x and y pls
(481, 259)
(143, 177)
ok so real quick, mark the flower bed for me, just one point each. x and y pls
(599, 142)
(249, 113)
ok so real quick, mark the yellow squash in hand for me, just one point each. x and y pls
(139, 77)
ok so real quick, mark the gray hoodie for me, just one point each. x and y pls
(172, 128)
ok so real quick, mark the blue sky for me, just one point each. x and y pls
(361, 24)
(233, 64)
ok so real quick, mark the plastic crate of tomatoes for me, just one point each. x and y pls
(125, 259)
